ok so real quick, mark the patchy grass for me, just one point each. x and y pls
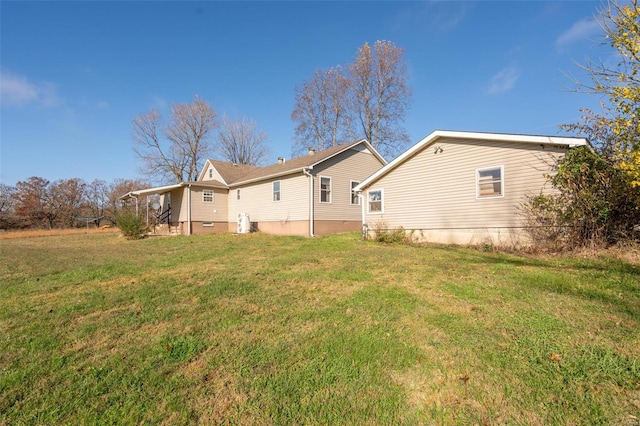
(29, 233)
(260, 329)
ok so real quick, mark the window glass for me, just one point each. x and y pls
(276, 190)
(207, 196)
(237, 194)
(325, 189)
(489, 182)
(354, 197)
(375, 201)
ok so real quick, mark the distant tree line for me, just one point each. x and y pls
(38, 203)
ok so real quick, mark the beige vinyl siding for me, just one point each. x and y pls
(206, 211)
(257, 200)
(350, 165)
(438, 190)
(215, 174)
(178, 205)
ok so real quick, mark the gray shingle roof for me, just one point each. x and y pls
(238, 173)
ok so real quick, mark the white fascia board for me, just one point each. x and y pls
(204, 167)
(502, 137)
(149, 191)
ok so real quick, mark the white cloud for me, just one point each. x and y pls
(158, 102)
(434, 15)
(17, 90)
(503, 81)
(580, 30)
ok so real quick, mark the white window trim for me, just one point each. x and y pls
(213, 196)
(273, 191)
(237, 194)
(489, 197)
(351, 193)
(320, 189)
(381, 201)
(210, 173)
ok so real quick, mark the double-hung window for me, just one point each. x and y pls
(375, 201)
(355, 200)
(325, 189)
(237, 194)
(490, 182)
(276, 190)
(207, 196)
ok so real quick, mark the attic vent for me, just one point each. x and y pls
(281, 160)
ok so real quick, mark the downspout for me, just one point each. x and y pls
(307, 173)
(188, 209)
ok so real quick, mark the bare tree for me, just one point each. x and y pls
(65, 197)
(380, 96)
(367, 99)
(186, 144)
(321, 111)
(240, 141)
(97, 199)
(114, 206)
(7, 204)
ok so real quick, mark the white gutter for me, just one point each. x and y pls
(307, 173)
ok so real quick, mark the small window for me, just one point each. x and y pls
(325, 189)
(207, 196)
(210, 173)
(237, 194)
(489, 182)
(375, 201)
(276, 190)
(355, 200)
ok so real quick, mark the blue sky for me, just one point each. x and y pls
(74, 74)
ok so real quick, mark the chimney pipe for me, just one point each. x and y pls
(281, 160)
(312, 150)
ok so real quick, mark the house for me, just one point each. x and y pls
(457, 187)
(307, 196)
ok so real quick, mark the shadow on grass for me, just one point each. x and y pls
(612, 281)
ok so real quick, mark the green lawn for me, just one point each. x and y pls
(258, 329)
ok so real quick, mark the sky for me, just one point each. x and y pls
(73, 75)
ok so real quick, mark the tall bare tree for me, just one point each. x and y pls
(240, 141)
(368, 98)
(380, 95)
(186, 144)
(321, 112)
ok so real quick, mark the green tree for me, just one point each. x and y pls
(615, 132)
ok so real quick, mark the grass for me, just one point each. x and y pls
(260, 329)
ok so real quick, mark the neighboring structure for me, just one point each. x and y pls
(462, 187)
(307, 196)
